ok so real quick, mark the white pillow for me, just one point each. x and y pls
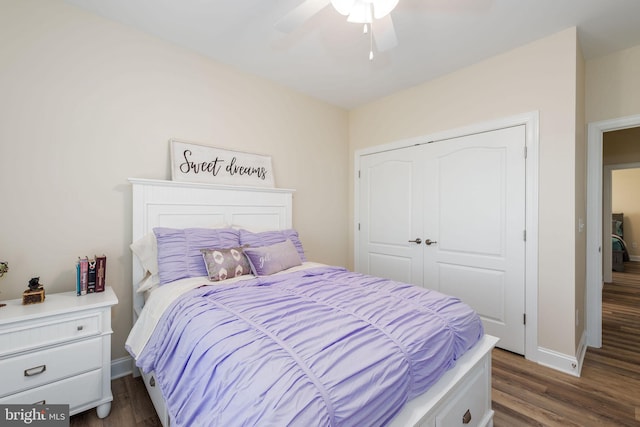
(149, 283)
(146, 249)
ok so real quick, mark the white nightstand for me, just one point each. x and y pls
(58, 351)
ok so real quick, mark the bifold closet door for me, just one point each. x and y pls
(450, 216)
(474, 209)
(390, 203)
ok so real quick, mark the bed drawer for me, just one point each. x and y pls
(31, 335)
(46, 366)
(471, 406)
(73, 391)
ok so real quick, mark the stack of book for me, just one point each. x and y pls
(90, 274)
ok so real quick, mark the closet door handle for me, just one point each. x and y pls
(417, 241)
(430, 242)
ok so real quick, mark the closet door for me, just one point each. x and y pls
(390, 223)
(474, 213)
(450, 216)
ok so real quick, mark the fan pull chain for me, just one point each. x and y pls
(370, 30)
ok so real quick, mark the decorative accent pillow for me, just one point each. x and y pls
(225, 263)
(271, 259)
(267, 238)
(179, 253)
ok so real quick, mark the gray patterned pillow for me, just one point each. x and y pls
(225, 263)
(272, 259)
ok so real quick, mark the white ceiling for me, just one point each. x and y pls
(327, 57)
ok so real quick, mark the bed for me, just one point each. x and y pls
(619, 252)
(440, 380)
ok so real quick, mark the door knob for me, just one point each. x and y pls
(417, 241)
(429, 242)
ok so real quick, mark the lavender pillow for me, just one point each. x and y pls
(267, 238)
(224, 264)
(179, 250)
(268, 260)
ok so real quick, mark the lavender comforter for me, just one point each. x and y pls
(319, 347)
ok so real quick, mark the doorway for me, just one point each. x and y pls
(595, 227)
(620, 199)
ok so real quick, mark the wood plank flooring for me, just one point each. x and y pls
(608, 390)
(524, 393)
(131, 407)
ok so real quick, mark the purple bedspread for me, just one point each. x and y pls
(319, 347)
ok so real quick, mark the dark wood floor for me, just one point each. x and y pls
(608, 390)
(524, 393)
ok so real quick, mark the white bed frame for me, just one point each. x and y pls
(461, 397)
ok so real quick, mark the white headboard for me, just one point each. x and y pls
(174, 204)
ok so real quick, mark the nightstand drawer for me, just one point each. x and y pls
(73, 391)
(46, 366)
(32, 335)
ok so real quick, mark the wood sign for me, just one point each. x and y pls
(203, 164)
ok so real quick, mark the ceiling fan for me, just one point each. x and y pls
(373, 14)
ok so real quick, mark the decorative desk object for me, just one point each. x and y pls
(58, 352)
(35, 293)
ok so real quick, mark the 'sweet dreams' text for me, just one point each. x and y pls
(216, 165)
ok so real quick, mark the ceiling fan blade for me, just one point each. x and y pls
(384, 33)
(300, 14)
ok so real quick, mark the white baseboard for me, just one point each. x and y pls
(634, 257)
(121, 367)
(563, 362)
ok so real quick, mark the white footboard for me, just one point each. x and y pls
(156, 397)
(462, 397)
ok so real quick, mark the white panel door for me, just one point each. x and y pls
(391, 215)
(474, 212)
(466, 197)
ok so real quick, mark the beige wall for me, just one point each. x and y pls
(625, 198)
(581, 200)
(613, 85)
(87, 103)
(539, 76)
(621, 146)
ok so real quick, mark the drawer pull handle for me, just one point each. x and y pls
(80, 327)
(42, 402)
(466, 418)
(35, 371)
(152, 382)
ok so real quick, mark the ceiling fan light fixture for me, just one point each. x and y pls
(382, 8)
(364, 12)
(361, 13)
